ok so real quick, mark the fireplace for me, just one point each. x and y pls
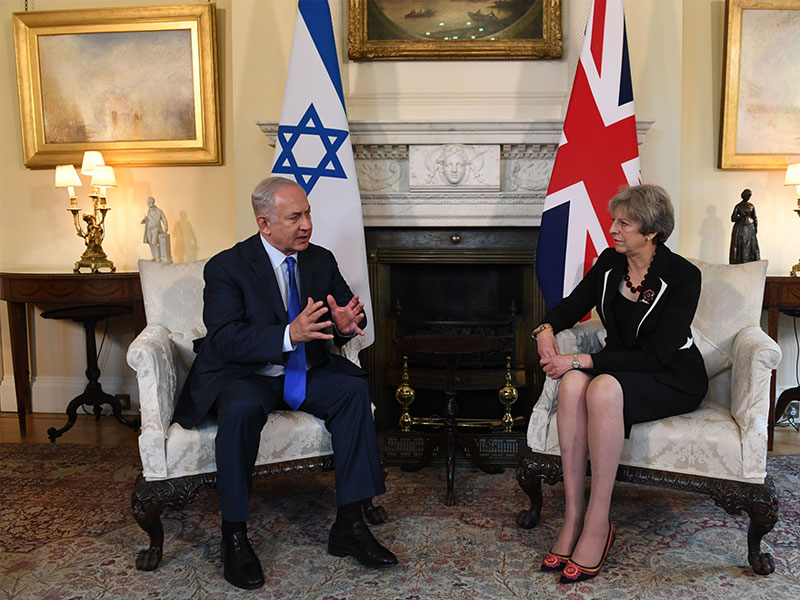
(453, 281)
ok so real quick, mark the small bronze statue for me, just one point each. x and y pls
(744, 244)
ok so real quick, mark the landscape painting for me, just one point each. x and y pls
(113, 87)
(455, 19)
(140, 84)
(446, 29)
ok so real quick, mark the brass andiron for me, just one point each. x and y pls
(405, 396)
(507, 395)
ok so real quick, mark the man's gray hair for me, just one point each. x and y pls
(649, 206)
(263, 197)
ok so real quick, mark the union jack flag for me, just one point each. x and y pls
(597, 156)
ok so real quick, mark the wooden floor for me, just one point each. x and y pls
(109, 432)
(86, 430)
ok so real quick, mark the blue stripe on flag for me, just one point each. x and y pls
(551, 251)
(317, 16)
(625, 85)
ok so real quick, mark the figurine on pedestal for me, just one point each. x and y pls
(155, 235)
(744, 244)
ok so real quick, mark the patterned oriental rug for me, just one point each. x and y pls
(66, 532)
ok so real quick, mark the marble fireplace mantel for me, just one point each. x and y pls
(445, 173)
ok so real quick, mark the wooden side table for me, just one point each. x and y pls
(780, 293)
(22, 289)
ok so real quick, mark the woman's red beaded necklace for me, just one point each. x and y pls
(630, 286)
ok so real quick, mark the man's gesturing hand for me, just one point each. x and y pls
(305, 328)
(347, 317)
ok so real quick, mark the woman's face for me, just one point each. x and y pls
(628, 239)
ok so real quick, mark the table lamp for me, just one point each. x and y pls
(91, 159)
(94, 257)
(67, 176)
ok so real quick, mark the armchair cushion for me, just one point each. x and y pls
(173, 294)
(730, 299)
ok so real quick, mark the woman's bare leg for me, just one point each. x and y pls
(572, 440)
(606, 435)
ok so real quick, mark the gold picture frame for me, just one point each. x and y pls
(760, 96)
(157, 103)
(517, 30)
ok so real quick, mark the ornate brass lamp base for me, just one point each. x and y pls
(94, 261)
(94, 257)
(796, 269)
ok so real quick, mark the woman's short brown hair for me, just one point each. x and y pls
(649, 206)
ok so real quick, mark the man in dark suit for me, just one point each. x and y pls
(267, 349)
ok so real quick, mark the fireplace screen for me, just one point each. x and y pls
(477, 281)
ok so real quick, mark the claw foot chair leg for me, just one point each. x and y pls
(763, 512)
(147, 513)
(149, 500)
(532, 470)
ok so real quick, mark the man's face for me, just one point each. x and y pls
(290, 230)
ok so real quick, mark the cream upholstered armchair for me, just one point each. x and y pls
(178, 463)
(720, 449)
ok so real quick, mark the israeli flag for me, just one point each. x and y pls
(314, 149)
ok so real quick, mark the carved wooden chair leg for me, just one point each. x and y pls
(147, 513)
(763, 512)
(532, 470)
(374, 515)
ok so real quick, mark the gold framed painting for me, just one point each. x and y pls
(760, 128)
(455, 29)
(138, 84)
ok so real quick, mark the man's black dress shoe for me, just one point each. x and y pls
(357, 541)
(241, 566)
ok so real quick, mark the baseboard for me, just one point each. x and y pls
(52, 394)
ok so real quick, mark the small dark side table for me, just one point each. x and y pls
(93, 394)
(20, 289)
(451, 348)
(781, 294)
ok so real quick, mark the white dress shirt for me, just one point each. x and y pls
(281, 269)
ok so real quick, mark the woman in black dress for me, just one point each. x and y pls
(646, 297)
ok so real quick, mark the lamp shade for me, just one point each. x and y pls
(67, 176)
(103, 176)
(792, 175)
(91, 159)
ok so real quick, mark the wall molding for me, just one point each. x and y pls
(51, 394)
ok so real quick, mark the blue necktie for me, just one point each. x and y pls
(294, 385)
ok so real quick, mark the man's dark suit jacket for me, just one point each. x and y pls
(246, 318)
(657, 338)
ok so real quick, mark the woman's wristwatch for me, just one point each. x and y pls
(540, 329)
(576, 364)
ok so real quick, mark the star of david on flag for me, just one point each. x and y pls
(313, 148)
(331, 140)
(598, 155)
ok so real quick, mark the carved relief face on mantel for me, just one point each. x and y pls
(454, 164)
(453, 161)
(454, 168)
